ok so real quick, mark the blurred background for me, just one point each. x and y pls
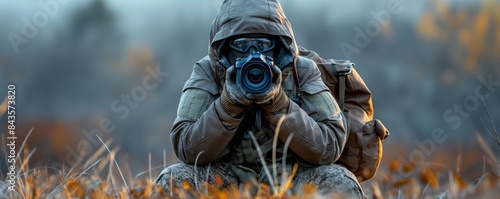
(79, 69)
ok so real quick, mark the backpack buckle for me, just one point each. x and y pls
(344, 67)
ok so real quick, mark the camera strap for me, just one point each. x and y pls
(296, 80)
(290, 89)
(292, 84)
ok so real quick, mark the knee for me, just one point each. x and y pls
(340, 171)
(331, 180)
(341, 180)
(175, 174)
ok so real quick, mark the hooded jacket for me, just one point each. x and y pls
(201, 132)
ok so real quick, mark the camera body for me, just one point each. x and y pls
(254, 73)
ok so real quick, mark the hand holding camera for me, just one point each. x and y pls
(233, 91)
(260, 80)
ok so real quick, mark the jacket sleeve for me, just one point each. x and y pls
(318, 126)
(201, 126)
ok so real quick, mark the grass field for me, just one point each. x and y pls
(100, 176)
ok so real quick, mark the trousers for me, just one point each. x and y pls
(332, 179)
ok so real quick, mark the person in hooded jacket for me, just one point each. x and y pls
(221, 120)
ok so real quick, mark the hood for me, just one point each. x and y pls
(238, 17)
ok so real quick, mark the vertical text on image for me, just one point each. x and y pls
(11, 136)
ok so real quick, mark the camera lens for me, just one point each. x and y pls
(255, 75)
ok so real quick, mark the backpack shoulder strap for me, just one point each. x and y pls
(343, 69)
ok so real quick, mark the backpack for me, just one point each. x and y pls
(363, 151)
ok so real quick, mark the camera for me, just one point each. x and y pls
(253, 73)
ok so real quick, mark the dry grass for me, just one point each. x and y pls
(100, 176)
(434, 180)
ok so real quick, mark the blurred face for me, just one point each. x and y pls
(242, 46)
